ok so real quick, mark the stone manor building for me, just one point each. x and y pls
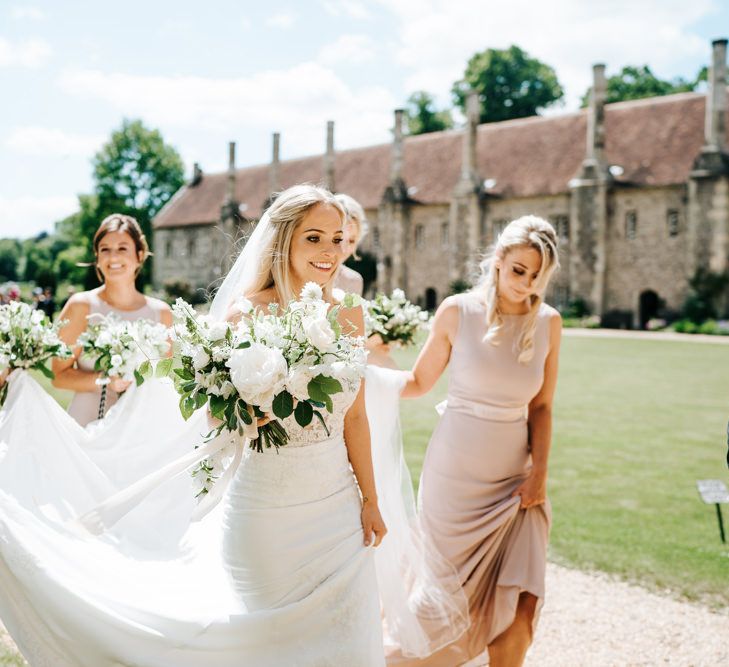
(638, 192)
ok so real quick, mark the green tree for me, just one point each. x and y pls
(635, 83)
(10, 255)
(423, 117)
(510, 84)
(136, 173)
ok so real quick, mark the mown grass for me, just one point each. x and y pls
(637, 422)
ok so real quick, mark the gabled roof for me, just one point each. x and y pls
(654, 140)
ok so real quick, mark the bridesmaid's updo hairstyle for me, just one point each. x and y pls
(279, 222)
(116, 222)
(529, 231)
(356, 216)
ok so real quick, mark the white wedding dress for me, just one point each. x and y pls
(277, 575)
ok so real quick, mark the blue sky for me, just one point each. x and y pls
(207, 73)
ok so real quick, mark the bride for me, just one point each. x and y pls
(285, 577)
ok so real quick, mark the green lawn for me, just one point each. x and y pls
(637, 422)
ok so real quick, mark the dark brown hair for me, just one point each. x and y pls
(116, 222)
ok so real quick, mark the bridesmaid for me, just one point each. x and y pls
(120, 249)
(483, 487)
(355, 229)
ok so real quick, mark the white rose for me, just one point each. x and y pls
(217, 330)
(37, 316)
(338, 294)
(398, 294)
(200, 359)
(319, 332)
(103, 339)
(311, 292)
(347, 372)
(297, 382)
(116, 360)
(244, 305)
(258, 373)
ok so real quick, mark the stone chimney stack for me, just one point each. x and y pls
(715, 124)
(596, 116)
(473, 115)
(397, 148)
(274, 178)
(230, 185)
(329, 158)
(196, 174)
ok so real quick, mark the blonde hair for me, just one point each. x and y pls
(529, 231)
(278, 223)
(355, 215)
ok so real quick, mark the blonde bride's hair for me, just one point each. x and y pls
(529, 231)
(278, 224)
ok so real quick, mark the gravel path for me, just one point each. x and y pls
(591, 620)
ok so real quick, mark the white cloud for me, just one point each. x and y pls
(348, 50)
(28, 53)
(51, 142)
(32, 13)
(283, 20)
(350, 8)
(23, 217)
(437, 37)
(296, 101)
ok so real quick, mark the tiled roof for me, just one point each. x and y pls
(654, 140)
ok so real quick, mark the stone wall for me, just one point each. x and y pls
(650, 256)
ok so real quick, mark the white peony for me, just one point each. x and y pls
(258, 373)
(311, 292)
(319, 332)
(200, 359)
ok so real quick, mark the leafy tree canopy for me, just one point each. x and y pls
(510, 84)
(422, 116)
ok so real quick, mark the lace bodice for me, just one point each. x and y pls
(315, 432)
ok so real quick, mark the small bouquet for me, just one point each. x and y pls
(273, 364)
(122, 348)
(395, 319)
(28, 340)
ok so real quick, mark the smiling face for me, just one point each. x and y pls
(117, 257)
(518, 272)
(317, 246)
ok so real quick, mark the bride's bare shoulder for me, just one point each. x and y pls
(259, 300)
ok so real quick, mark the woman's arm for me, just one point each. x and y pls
(357, 440)
(75, 312)
(533, 490)
(436, 353)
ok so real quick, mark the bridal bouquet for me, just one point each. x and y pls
(395, 319)
(28, 340)
(122, 348)
(270, 364)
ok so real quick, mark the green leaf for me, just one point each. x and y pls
(187, 407)
(200, 399)
(283, 405)
(329, 385)
(319, 416)
(145, 369)
(163, 368)
(245, 416)
(183, 373)
(303, 413)
(316, 393)
(217, 406)
(46, 371)
(138, 377)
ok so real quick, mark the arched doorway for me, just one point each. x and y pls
(431, 298)
(650, 303)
